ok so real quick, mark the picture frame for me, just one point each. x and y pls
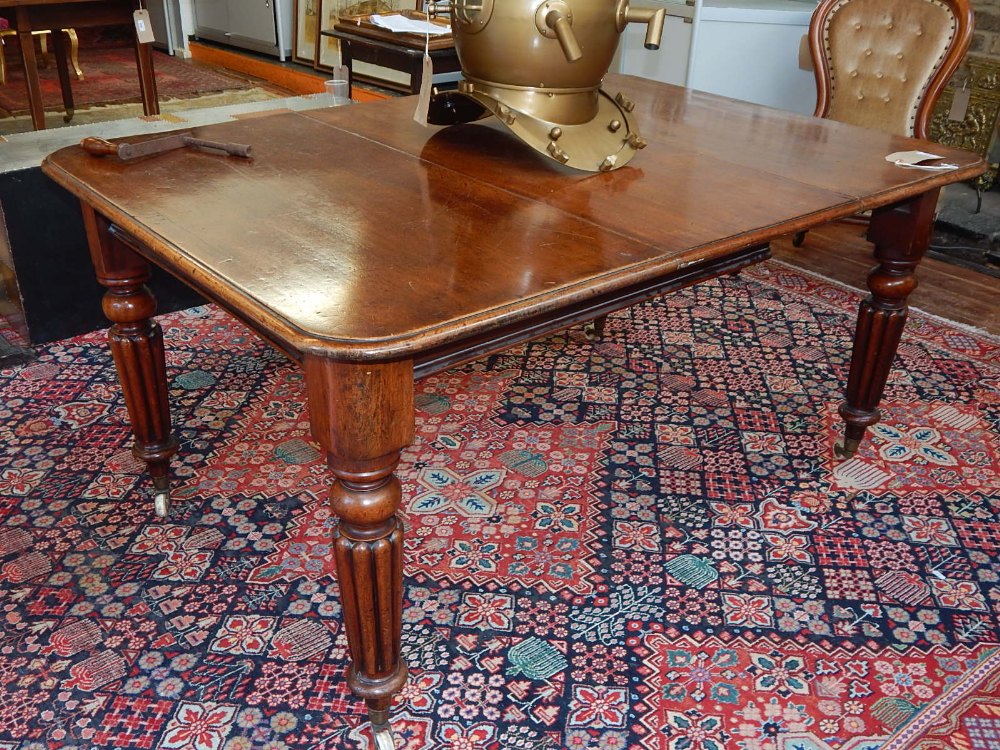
(305, 31)
(330, 11)
(327, 48)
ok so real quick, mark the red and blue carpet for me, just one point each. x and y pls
(641, 543)
(110, 77)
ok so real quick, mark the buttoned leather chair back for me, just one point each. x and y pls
(883, 63)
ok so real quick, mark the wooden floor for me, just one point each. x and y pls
(840, 252)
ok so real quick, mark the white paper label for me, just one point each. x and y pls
(143, 28)
(960, 105)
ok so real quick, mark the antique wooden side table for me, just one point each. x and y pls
(389, 53)
(374, 251)
(26, 16)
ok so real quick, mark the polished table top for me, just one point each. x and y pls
(356, 233)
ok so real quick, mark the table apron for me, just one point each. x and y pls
(43, 17)
(533, 327)
(466, 348)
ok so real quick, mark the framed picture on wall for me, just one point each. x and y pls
(306, 31)
(328, 51)
(330, 11)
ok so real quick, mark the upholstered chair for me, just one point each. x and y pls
(883, 63)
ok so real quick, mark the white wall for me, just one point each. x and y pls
(187, 24)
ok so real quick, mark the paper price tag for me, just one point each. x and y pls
(960, 105)
(805, 54)
(143, 28)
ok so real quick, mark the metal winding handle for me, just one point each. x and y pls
(233, 149)
(127, 151)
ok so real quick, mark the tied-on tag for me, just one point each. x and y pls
(426, 82)
(143, 28)
(805, 54)
(960, 105)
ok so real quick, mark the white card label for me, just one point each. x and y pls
(960, 105)
(805, 54)
(143, 28)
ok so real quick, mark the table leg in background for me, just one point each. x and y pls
(30, 61)
(901, 234)
(137, 346)
(62, 65)
(362, 414)
(147, 78)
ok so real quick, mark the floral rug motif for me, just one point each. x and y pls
(640, 543)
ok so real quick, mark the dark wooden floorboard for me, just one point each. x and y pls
(840, 252)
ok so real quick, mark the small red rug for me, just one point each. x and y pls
(110, 77)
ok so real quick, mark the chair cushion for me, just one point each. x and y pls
(4, 24)
(883, 55)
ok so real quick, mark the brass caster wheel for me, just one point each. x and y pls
(161, 503)
(846, 448)
(594, 329)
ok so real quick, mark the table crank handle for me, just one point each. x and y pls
(99, 147)
(126, 151)
(233, 149)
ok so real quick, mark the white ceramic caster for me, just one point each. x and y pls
(383, 737)
(161, 503)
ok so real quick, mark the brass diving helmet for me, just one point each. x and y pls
(537, 65)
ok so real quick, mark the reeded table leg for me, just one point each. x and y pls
(901, 234)
(362, 415)
(137, 347)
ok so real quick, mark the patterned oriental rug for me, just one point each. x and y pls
(110, 77)
(637, 544)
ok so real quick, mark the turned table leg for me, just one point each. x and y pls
(362, 415)
(901, 234)
(137, 347)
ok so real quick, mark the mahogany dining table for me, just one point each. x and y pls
(374, 251)
(26, 16)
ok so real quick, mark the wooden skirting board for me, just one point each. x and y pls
(294, 78)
